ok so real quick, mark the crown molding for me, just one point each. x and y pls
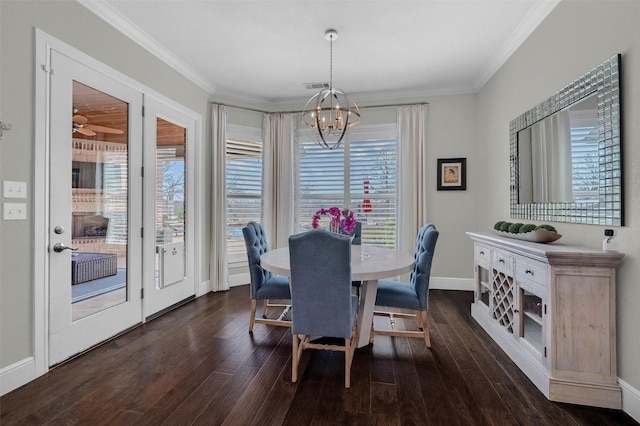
(528, 24)
(111, 16)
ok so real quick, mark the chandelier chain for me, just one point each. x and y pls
(331, 63)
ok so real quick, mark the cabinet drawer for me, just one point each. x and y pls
(482, 255)
(534, 272)
(502, 261)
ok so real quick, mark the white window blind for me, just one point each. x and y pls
(367, 162)
(244, 193)
(116, 194)
(585, 164)
(373, 195)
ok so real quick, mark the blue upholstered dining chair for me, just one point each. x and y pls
(413, 295)
(321, 299)
(264, 285)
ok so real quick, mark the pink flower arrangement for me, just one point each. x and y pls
(337, 222)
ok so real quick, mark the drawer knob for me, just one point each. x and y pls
(501, 260)
(481, 252)
(528, 271)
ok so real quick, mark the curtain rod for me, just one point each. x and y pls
(299, 111)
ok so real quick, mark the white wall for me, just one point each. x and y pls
(451, 133)
(575, 37)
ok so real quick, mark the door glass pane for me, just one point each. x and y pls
(531, 325)
(170, 216)
(483, 285)
(100, 189)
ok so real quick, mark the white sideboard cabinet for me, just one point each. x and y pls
(551, 308)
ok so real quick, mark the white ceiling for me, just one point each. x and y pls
(263, 51)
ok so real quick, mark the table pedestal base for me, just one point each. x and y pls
(368, 292)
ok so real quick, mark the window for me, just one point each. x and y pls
(361, 175)
(244, 195)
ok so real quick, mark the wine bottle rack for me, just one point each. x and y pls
(503, 299)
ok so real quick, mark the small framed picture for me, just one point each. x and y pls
(452, 174)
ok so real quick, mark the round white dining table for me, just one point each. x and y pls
(368, 264)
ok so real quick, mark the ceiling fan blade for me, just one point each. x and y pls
(102, 129)
(85, 131)
(79, 119)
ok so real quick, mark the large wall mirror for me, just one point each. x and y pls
(566, 153)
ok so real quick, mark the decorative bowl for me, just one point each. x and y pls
(537, 236)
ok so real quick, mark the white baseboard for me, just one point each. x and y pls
(203, 288)
(445, 283)
(630, 400)
(239, 279)
(17, 374)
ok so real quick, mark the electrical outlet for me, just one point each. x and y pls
(609, 233)
(15, 189)
(14, 211)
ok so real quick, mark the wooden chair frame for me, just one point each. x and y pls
(420, 317)
(281, 321)
(302, 342)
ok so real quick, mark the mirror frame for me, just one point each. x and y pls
(609, 210)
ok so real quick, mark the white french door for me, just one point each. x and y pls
(169, 242)
(95, 206)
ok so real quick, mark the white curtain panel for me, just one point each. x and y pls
(278, 178)
(412, 213)
(561, 160)
(539, 145)
(218, 269)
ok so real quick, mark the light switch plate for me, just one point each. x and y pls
(15, 189)
(14, 211)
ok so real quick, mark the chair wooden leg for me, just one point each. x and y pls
(347, 363)
(425, 328)
(294, 359)
(349, 350)
(265, 305)
(252, 319)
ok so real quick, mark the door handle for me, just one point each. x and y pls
(59, 248)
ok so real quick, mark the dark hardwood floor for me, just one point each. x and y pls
(199, 365)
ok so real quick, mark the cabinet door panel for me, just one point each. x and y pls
(583, 325)
(531, 319)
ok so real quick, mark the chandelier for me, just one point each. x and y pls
(330, 112)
